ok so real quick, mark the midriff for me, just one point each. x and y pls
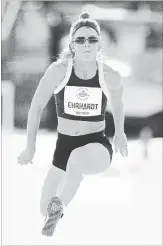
(77, 128)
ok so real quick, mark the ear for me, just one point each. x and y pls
(71, 45)
(99, 45)
(99, 48)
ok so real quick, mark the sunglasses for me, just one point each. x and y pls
(82, 40)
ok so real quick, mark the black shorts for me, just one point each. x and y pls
(66, 144)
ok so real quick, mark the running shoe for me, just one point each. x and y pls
(54, 213)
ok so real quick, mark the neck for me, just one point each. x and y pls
(85, 65)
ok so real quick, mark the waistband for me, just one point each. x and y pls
(90, 135)
(82, 118)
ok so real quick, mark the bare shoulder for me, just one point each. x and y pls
(112, 77)
(58, 68)
(54, 74)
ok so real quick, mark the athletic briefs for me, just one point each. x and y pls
(66, 144)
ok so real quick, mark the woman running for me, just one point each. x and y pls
(82, 84)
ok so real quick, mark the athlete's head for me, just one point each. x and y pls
(85, 38)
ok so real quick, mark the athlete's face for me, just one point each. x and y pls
(85, 43)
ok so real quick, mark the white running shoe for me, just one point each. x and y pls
(54, 213)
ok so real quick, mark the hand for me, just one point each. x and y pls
(120, 143)
(26, 156)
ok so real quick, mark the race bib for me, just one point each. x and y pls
(82, 101)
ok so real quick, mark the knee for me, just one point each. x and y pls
(97, 159)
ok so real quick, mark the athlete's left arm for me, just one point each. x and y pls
(115, 88)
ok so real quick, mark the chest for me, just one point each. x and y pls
(84, 100)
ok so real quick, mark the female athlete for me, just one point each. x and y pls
(82, 83)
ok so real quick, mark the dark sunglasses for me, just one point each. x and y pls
(82, 40)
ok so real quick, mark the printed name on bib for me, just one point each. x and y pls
(84, 101)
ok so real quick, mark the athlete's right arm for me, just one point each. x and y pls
(51, 79)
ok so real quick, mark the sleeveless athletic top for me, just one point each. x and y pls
(79, 99)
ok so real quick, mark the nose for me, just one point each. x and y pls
(87, 43)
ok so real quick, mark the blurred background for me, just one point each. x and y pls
(35, 32)
(129, 194)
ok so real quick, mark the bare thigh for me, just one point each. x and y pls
(50, 185)
(93, 157)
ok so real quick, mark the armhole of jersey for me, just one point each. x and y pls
(102, 80)
(66, 78)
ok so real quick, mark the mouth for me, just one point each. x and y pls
(86, 52)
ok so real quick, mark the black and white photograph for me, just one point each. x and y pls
(81, 122)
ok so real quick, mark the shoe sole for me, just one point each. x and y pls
(51, 223)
